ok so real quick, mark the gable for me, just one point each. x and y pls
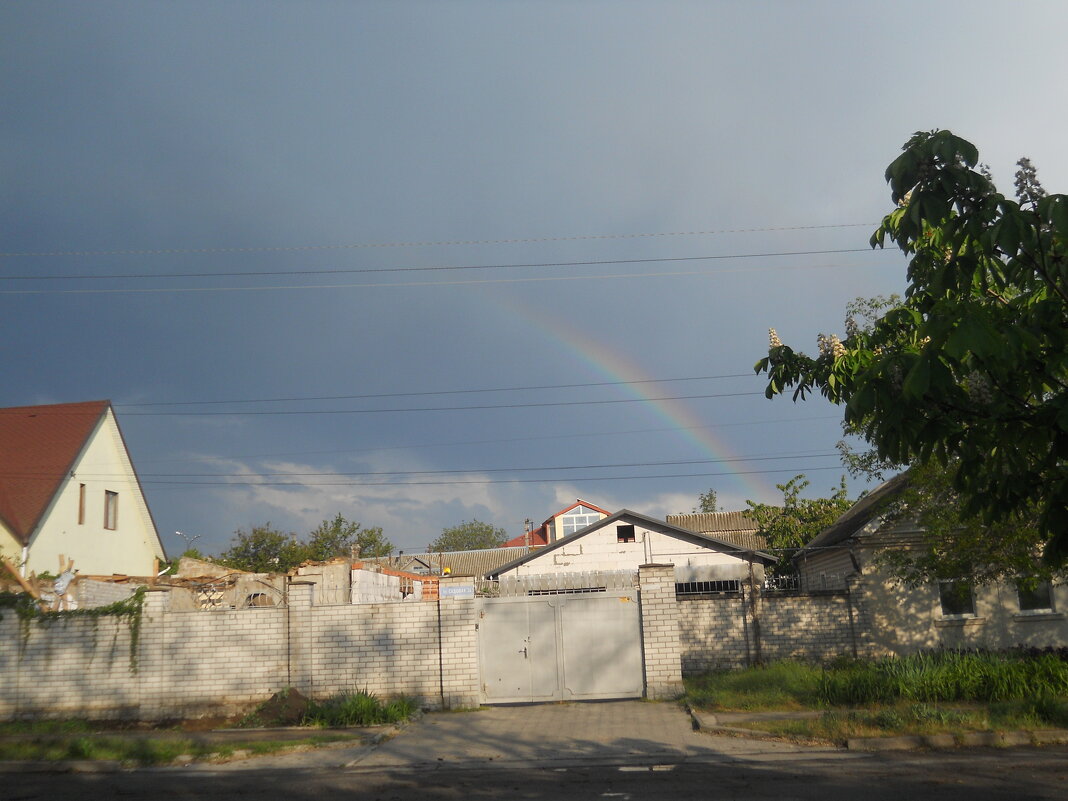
(38, 448)
(626, 540)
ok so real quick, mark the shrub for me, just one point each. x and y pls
(360, 708)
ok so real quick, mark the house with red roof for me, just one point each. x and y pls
(68, 486)
(567, 521)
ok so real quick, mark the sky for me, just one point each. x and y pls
(419, 263)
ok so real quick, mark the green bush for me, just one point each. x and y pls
(360, 708)
(939, 676)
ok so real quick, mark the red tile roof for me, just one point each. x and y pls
(537, 537)
(38, 446)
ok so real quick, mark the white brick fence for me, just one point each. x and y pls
(212, 663)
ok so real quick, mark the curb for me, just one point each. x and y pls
(368, 741)
(978, 739)
(708, 722)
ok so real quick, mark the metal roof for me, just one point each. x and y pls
(460, 563)
(859, 514)
(737, 528)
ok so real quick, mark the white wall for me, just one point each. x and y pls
(601, 550)
(130, 548)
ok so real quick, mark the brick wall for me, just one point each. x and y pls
(193, 663)
(219, 662)
(90, 592)
(660, 631)
(718, 633)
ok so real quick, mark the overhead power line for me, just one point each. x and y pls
(405, 284)
(431, 243)
(480, 407)
(452, 471)
(431, 268)
(532, 388)
(567, 436)
(218, 484)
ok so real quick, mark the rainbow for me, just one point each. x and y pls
(614, 366)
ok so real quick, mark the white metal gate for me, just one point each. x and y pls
(559, 647)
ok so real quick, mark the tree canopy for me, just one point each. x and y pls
(264, 549)
(969, 372)
(797, 520)
(469, 536)
(707, 502)
(338, 537)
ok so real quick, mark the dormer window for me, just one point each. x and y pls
(577, 519)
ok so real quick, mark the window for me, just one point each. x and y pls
(1034, 596)
(111, 509)
(624, 533)
(81, 504)
(957, 598)
(578, 518)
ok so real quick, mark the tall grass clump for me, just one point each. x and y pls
(933, 676)
(780, 685)
(359, 708)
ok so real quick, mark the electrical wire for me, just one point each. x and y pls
(479, 407)
(439, 243)
(532, 388)
(398, 284)
(86, 474)
(569, 436)
(433, 268)
(306, 485)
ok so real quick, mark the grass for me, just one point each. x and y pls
(360, 708)
(778, 686)
(919, 719)
(939, 676)
(59, 740)
(926, 693)
(143, 751)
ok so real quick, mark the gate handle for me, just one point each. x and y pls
(523, 652)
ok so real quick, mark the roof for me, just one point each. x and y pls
(859, 514)
(540, 536)
(737, 528)
(38, 448)
(646, 522)
(460, 563)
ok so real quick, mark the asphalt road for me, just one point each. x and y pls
(628, 750)
(1010, 774)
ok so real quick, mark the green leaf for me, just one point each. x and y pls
(918, 379)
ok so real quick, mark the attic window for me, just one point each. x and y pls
(111, 510)
(624, 533)
(577, 519)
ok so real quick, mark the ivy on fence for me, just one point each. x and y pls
(28, 611)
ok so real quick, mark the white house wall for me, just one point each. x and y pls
(601, 550)
(10, 548)
(130, 547)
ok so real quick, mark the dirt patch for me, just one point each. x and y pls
(287, 707)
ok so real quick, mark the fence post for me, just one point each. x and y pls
(300, 673)
(152, 679)
(659, 610)
(458, 669)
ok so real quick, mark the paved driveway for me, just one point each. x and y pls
(592, 732)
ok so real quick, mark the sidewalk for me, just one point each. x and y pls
(632, 732)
